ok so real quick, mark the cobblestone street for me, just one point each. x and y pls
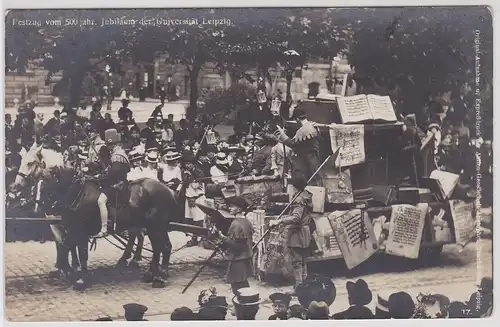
(31, 296)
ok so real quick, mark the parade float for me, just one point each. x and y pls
(382, 193)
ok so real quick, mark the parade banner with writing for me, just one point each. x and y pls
(351, 141)
(463, 221)
(337, 183)
(325, 237)
(355, 236)
(275, 258)
(405, 231)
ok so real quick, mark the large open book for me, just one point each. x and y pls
(441, 183)
(365, 108)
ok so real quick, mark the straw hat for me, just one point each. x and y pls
(221, 159)
(171, 156)
(152, 157)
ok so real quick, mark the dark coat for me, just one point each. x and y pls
(298, 230)
(239, 250)
(354, 312)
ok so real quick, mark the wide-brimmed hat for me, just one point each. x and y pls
(359, 293)
(238, 201)
(112, 136)
(383, 300)
(171, 156)
(152, 157)
(135, 156)
(221, 159)
(247, 296)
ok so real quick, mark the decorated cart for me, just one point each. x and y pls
(383, 194)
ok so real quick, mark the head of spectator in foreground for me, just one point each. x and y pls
(318, 311)
(297, 311)
(135, 311)
(382, 306)
(358, 293)
(182, 314)
(458, 310)
(480, 304)
(401, 305)
(246, 303)
(436, 305)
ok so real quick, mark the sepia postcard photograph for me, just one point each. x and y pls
(251, 163)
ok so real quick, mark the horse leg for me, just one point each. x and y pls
(127, 253)
(81, 272)
(62, 263)
(167, 251)
(75, 262)
(158, 247)
(140, 245)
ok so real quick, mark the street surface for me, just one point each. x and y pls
(31, 296)
(141, 110)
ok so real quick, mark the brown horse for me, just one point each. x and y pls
(144, 204)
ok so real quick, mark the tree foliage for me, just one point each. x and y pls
(421, 50)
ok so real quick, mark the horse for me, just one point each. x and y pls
(145, 204)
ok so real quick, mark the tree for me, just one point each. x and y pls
(423, 51)
(72, 46)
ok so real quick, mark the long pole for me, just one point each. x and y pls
(199, 271)
(295, 198)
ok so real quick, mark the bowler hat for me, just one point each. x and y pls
(135, 309)
(182, 314)
(486, 285)
(401, 305)
(316, 288)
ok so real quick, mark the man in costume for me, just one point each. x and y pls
(115, 174)
(305, 145)
(238, 243)
(297, 229)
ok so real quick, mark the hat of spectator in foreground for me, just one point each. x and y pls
(171, 156)
(401, 305)
(221, 159)
(182, 314)
(458, 310)
(135, 309)
(383, 301)
(152, 157)
(238, 201)
(246, 303)
(112, 136)
(486, 285)
(281, 298)
(318, 310)
(316, 288)
(359, 293)
(104, 319)
(247, 296)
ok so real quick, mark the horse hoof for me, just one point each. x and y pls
(133, 263)
(164, 273)
(158, 283)
(147, 278)
(121, 263)
(80, 285)
(58, 274)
